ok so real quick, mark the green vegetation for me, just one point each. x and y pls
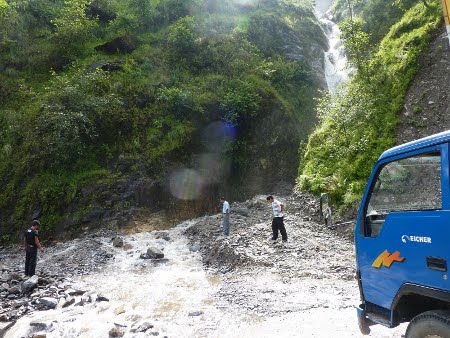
(377, 16)
(87, 85)
(357, 124)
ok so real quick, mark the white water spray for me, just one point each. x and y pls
(336, 66)
(175, 295)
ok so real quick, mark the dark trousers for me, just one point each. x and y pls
(277, 224)
(30, 261)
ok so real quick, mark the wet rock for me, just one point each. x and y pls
(154, 253)
(118, 242)
(48, 302)
(127, 247)
(116, 332)
(39, 325)
(140, 327)
(102, 299)
(29, 284)
(67, 302)
(72, 292)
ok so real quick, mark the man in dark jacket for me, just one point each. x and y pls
(31, 244)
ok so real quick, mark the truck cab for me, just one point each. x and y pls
(402, 240)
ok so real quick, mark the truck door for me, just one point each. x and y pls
(404, 226)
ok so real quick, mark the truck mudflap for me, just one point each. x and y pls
(363, 322)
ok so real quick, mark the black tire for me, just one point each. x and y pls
(430, 324)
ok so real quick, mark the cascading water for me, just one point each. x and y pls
(174, 294)
(335, 61)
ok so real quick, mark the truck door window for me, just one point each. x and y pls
(409, 184)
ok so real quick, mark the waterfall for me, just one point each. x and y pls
(335, 61)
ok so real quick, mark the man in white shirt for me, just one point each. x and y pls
(277, 221)
(226, 216)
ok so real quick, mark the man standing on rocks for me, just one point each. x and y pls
(226, 216)
(31, 244)
(277, 221)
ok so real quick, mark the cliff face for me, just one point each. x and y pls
(426, 109)
(150, 106)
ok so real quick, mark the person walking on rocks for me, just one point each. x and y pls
(277, 221)
(226, 216)
(31, 244)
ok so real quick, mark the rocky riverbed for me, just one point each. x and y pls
(206, 285)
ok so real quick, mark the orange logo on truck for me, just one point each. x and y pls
(387, 259)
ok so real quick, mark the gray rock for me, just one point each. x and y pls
(13, 290)
(118, 242)
(127, 247)
(48, 302)
(29, 284)
(39, 325)
(141, 327)
(116, 332)
(154, 253)
(68, 301)
(195, 313)
(102, 299)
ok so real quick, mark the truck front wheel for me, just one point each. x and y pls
(430, 324)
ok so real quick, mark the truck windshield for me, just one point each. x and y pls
(409, 184)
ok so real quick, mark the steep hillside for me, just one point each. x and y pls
(360, 121)
(426, 108)
(111, 109)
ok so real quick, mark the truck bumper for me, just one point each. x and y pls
(363, 322)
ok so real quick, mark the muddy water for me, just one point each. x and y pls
(181, 299)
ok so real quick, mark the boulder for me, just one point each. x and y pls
(29, 284)
(118, 242)
(154, 253)
(141, 327)
(116, 332)
(49, 302)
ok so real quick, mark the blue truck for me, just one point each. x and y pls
(402, 240)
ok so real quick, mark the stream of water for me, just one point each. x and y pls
(335, 61)
(175, 294)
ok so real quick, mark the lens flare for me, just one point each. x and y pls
(186, 184)
(213, 167)
(217, 134)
